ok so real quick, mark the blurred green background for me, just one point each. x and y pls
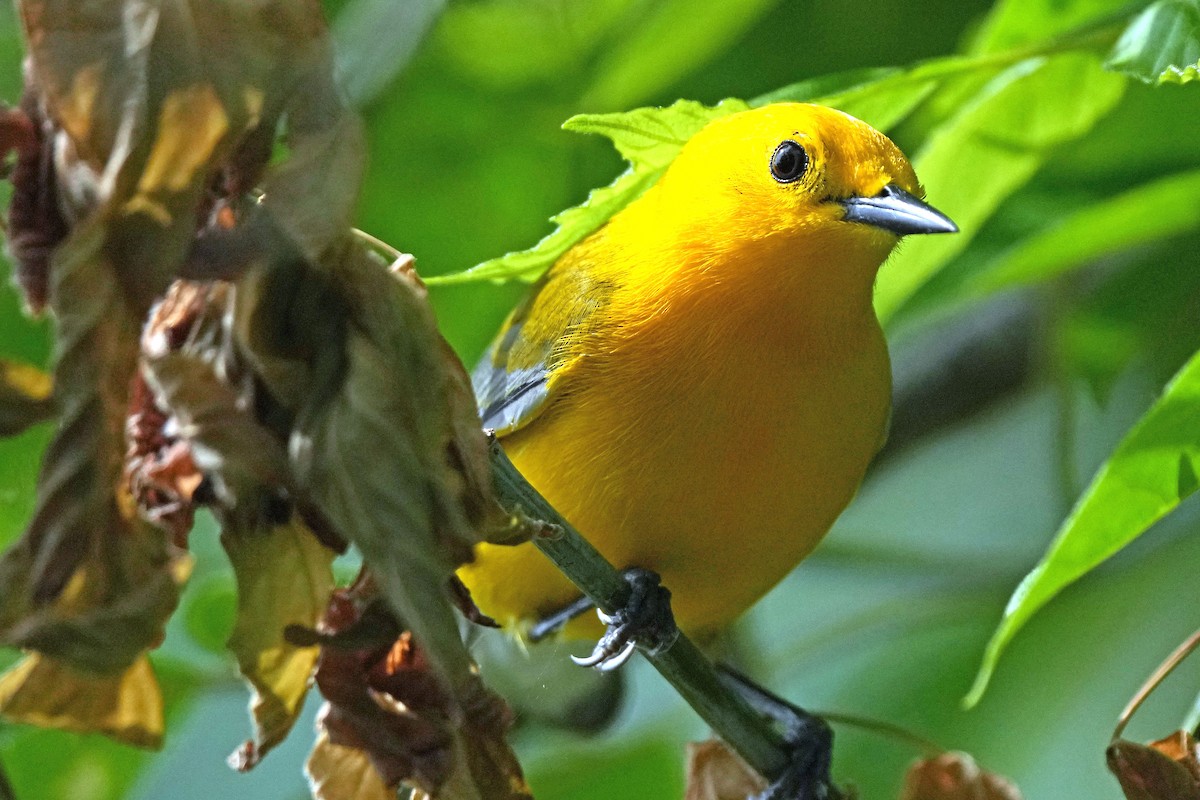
(463, 102)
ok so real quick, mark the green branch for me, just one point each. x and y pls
(683, 665)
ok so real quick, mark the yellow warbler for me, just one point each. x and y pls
(699, 385)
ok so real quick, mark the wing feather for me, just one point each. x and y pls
(525, 368)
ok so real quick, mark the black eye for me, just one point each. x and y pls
(788, 162)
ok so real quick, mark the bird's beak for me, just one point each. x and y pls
(895, 210)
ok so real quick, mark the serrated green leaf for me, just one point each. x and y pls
(1146, 477)
(1146, 213)
(650, 138)
(1161, 45)
(990, 149)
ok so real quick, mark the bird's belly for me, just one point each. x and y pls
(722, 486)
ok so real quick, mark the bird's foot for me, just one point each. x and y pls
(553, 623)
(644, 619)
(809, 740)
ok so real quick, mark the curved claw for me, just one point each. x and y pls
(615, 662)
(590, 660)
(644, 619)
(606, 660)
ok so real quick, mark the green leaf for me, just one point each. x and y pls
(1146, 213)
(1020, 23)
(650, 138)
(989, 150)
(1161, 45)
(1152, 470)
(881, 97)
(387, 442)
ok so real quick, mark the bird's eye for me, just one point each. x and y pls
(788, 162)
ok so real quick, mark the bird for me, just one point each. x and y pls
(699, 385)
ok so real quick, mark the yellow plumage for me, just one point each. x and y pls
(700, 385)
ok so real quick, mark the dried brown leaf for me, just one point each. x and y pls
(714, 772)
(127, 707)
(382, 697)
(99, 629)
(35, 221)
(385, 700)
(1167, 769)
(388, 445)
(145, 115)
(342, 773)
(955, 776)
(161, 474)
(197, 378)
(284, 578)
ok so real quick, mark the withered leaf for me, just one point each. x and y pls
(25, 396)
(382, 697)
(284, 578)
(385, 700)
(35, 221)
(1167, 769)
(954, 776)
(99, 631)
(146, 111)
(484, 764)
(342, 773)
(77, 513)
(714, 772)
(51, 694)
(382, 449)
(193, 372)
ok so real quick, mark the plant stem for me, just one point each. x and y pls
(682, 664)
(1157, 677)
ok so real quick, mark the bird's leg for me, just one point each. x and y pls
(557, 621)
(808, 737)
(643, 619)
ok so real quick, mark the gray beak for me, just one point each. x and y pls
(897, 211)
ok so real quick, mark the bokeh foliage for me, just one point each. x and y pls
(1075, 187)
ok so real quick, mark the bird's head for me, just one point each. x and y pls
(805, 178)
